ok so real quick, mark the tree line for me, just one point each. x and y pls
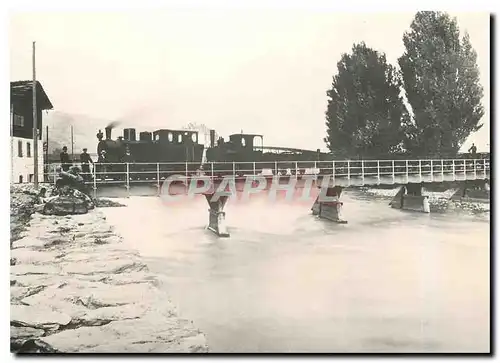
(367, 115)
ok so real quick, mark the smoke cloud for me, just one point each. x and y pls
(113, 124)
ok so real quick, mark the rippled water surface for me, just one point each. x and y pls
(389, 281)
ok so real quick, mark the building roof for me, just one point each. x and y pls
(24, 90)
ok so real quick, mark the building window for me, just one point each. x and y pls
(20, 178)
(179, 138)
(193, 137)
(20, 148)
(170, 137)
(28, 150)
(31, 177)
(18, 120)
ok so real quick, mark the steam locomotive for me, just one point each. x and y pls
(160, 146)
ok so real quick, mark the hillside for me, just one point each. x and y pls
(85, 129)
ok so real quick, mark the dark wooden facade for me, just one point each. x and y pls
(21, 101)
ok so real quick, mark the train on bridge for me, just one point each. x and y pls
(181, 151)
(164, 152)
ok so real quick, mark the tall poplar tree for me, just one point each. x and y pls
(441, 80)
(365, 110)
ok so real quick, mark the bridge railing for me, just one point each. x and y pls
(127, 173)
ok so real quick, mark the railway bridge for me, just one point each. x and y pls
(221, 181)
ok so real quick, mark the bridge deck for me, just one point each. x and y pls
(341, 173)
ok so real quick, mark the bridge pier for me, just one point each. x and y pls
(472, 189)
(409, 197)
(329, 209)
(217, 216)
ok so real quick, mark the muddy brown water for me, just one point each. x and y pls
(389, 281)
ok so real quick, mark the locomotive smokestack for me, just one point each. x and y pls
(212, 138)
(110, 126)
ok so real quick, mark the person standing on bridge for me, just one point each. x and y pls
(86, 160)
(473, 150)
(65, 162)
(103, 169)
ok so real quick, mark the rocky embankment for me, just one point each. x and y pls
(75, 287)
(22, 202)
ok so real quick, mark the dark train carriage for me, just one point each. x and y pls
(240, 147)
(245, 149)
(238, 153)
(178, 146)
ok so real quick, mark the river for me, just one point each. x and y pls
(285, 281)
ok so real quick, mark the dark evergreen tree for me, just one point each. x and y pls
(441, 80)
(365, 110)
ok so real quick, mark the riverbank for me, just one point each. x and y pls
(76, 288)
(21, 207)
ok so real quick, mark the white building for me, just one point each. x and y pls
(21, 130)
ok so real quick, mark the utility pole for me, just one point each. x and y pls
(35, 124)
(47, 145)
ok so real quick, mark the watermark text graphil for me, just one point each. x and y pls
(178, 187)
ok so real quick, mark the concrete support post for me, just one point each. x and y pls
(409, 197)
(397, 200)
(414, 189)
(472, 191)
(217, 216)
(329, 209)
(461, 192)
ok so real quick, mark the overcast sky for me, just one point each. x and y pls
(260, 72)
